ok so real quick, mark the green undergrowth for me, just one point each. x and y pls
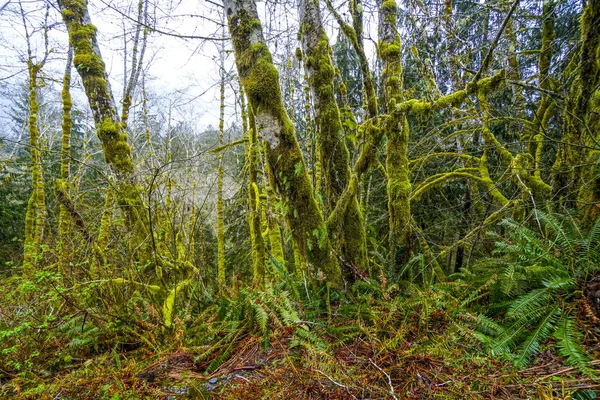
(511, 326)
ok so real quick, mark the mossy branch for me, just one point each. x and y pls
(62, 195)
(491, 219)
(439, 179)
(419, 162)
(229, 145)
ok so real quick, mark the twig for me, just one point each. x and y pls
(389, 379)
(569, 369)
(241, 377)
(488, 57)
(336, 383)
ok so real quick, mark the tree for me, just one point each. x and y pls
(110, 128)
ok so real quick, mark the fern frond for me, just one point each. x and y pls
(556, 229)
(593, 240)
(569, 338)
(261, 317)
(488, 326)
(531, 345)
(560, 282)
(529, 304)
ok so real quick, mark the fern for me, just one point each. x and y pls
(538, 275)
(569, 338)
(531, 345)
(261, 317)
(529, 304)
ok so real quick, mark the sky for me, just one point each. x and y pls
(185, 70)
(176, 70)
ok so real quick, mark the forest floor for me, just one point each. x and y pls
(435, 364)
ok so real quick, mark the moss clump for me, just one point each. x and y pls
(68, 14)
(89, 64)
(116, 149)
(389, 7)
(390, 51)
(488, 85)
(452, 100)
(263, 77)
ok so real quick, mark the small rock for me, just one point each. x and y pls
(150, 377)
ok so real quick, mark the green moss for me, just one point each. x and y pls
(257, 251)
(68, 15)
(488, 183)
(389, 7)
(574, 182)
(106, 220)
(452, 100)
(36, 207)
(390, 51)
(168, 308)
(91, 68)
(399, 186)
(108, 130)
(488, 85)
(63, 219)
(275, 240)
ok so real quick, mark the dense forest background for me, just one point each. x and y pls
(321, 199)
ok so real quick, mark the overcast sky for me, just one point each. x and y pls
(182, 73)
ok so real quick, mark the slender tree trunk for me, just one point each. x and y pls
(254, 218)
(220, 211)
(36, 207)
(399, 186)
(65, 161)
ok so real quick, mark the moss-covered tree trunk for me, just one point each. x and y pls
(36, 207)
(334, 155)
(65, 156)
(220, 208)
(398, 186)
(257, 251)
(271, 216)
(260, 80)
(117, 153)
(588, 103)
(573, 182)
(534, 140)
